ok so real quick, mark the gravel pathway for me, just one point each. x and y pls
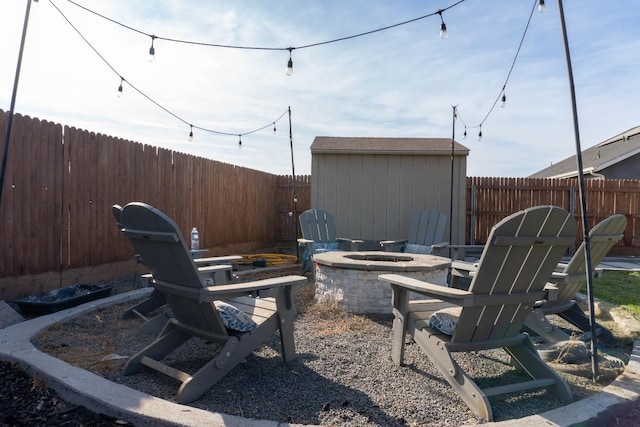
(343, 375)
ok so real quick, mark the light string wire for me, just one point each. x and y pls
(165, 109)
(504, 86)
(155, 37)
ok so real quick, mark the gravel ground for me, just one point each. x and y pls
(343, 375)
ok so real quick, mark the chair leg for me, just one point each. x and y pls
(462, 383)
(170, 339)
(578, 318)
(527, 358)
(538, 323)
(146, 306)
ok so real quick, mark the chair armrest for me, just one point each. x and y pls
(440, 245)
(304, 241)
(452, 295)
(393, 245)
(460, 297)
(351, 244)
(464, 267)
(557, 277)
(217, 260)
(212, 293)
(459, 251)
(392, 242)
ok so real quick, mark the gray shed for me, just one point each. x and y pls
(373, 185)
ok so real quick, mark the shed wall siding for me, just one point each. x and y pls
(372, 196)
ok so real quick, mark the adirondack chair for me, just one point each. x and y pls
(570, 279)
(319, 235)
(522, 251)
(218, 270)
(230, 315)
(426, 233)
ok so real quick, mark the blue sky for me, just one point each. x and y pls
(401, 82)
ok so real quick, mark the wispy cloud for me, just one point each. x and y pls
(400, 82)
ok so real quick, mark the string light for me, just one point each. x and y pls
(290, 64)
(502, 97)
(443, 27)
(274, 128)
(120, 87)
(443, 33)
(541, 6)
(464, 135)
(191, 133)
(152, 50)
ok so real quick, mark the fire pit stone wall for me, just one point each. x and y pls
(350, 279)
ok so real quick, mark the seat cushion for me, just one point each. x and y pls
(445, 320)
(234, 318)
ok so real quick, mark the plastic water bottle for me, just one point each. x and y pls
(195, 239)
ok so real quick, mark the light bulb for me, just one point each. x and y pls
(274, 128)
(239, 141)
(464, 135)
(480, 135)
(503, 102)
(191, 133)
(541, 6)
(120, 87)
(443, 31)
(152, 50)
(289, 67)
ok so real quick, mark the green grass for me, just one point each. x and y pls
(621, 288)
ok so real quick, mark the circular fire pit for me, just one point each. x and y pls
(351, 278)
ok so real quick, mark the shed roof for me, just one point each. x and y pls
(382, 145)
(598, 157)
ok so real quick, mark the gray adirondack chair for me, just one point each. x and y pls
(319, 235)
(522, 251)
(426, 234)
(218, 270)
(570, 278)
(194, 305)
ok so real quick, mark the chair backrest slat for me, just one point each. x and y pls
(427, 228)
(530, 244)
(318, 225)
(602, 237)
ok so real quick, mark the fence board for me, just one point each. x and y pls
(61, 181)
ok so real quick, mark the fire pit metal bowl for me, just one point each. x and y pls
(350, 279)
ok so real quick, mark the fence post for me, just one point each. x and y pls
(472, 220)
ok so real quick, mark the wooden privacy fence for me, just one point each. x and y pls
(56, 224)
(491, 199)
(61, 182)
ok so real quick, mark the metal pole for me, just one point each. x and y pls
(583, 201)
(295, 194)
(453, 138)
(7, 136)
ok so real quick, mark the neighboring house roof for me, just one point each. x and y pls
(596, 158)
(398, 146)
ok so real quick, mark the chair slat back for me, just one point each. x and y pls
(161, 245)
(427, 228)
(522, 252)
(602, 237)
(318, 225)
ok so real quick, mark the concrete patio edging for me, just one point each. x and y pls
(87, 389)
